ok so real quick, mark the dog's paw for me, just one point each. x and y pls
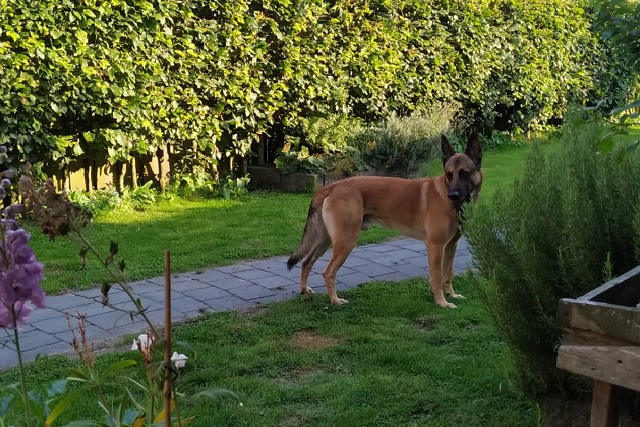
(457, 296)
(307, 291)
(446, 304)
(339, 301)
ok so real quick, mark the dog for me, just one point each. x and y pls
(427, 209)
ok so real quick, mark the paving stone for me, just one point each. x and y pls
(215, 290)
(8, 358)
(230, 269)
(381, 248)
(253, 274)
(110, 320)
(374, 270)
(146, 288)
(187, 304)
(415, 246)
(273, 282)
(53, 326)
(188, 286)
(65, 302)
(386, 261)
(421, 260)
(35, 339)
(412, 270)
(365, 254)
(92, 309)
(396, 275)
(355, 261)
(354, 279)
(43, 314)
(251, 292)
(89, 293)
(229, 303)
(116, 296)
(210, 293)
(159, 296)
(268, 264)
(211, 276)
(230, 283)
(401, 254)
(56, 348)
(174, 279)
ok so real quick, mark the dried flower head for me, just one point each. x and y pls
(54, 212)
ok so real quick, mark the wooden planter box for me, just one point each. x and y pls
(601, 340)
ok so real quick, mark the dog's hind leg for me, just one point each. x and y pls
(447, 269)
(343, 219)
(307, 264)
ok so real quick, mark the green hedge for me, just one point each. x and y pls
(115, 77)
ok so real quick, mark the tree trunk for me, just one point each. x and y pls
(134, 172)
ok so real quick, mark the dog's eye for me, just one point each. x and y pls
(463, 174)
(449, 176)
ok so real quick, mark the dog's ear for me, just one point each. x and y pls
(447, 149)
(474, 149)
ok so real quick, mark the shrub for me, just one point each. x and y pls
(295, 158)
(96, 201)
(401, 145)
(558, 232)
(326, 144)
(84, 78)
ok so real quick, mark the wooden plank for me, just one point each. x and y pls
(604, 410)
(583, 337)
(610, 284)
(614, 365)
(606, 319)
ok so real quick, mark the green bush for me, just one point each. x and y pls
(560, 231)
(110, 79)
(401, 145)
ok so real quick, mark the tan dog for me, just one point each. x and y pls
(426, 209)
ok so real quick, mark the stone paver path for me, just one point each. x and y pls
(218, 289)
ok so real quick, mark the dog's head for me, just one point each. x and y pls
(463, 174)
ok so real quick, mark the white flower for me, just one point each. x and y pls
(179, 359)
(145, 341)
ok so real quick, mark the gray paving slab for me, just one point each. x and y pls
(218, 289)
(253, 274)
(373, 270)
(67, 303)
(210, 276)
(210, 293)
(230, 283)
(273, 282)
(251, 292)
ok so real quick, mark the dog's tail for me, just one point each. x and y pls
(309, 235)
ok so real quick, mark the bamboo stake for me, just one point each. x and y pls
(167, 338)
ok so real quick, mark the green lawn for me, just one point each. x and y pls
(205, 233)
(501, 167)
(200, 233)
(389, 358)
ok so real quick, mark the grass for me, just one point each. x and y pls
(200, 234)
(206, 233)
(390, 357)
(500, 167)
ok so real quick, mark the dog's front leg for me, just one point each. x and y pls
(447, 280)
(435, 253)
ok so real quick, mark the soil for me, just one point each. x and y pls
(311, 340)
